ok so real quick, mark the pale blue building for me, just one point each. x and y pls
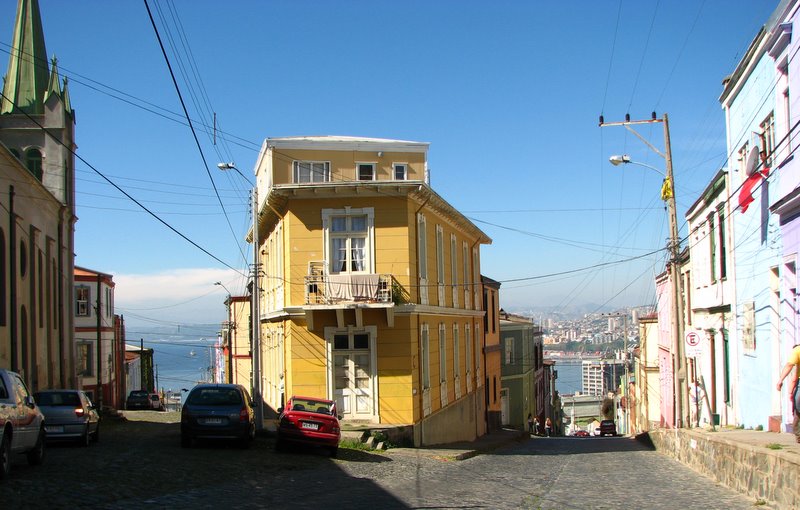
(756, 103)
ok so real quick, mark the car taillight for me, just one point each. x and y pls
(79, 412)
(244, 415)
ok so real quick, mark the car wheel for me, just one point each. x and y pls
(96, 435)
(186, 440)
(36, 456)
(85, 439)
(5, 456)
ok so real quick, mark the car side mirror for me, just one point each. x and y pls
(339, 417)
(30, 402)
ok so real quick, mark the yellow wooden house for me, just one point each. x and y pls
(370, 287)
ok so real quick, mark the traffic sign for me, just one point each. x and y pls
(693, 347)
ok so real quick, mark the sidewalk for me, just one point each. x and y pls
(763, 465)
(466, 449)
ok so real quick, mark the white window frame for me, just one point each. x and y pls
(425, 368)
(325, 173)
(468, 348)
(440, 263)
(467, 280)
(422, 262)
(89, 361)
(477, 332)
(369, 244)
(456, 361)
(454, 268)
(403, 167)
(508, 348)
(83, 307)
(372, 165)
(443, 363)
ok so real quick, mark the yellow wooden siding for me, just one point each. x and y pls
(343, 163)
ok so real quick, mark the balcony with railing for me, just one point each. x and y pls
(322, 288)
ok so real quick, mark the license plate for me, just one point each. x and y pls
(54, 430)
(213, 421)
(309, 426)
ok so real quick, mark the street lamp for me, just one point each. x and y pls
(668, 195)
(254, 306)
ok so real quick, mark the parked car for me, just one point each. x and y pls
(581, 433)
(21, 422)
(608, 428)
(218, 411)
(155, 402)
(69, 415)
(307, 420)
(138, 399)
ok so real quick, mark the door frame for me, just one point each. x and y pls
(330, 375)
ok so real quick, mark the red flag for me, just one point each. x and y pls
(746, 193)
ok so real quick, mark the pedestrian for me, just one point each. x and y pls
(536, 426)
(793, 363)
(530, 423)
(548, 426)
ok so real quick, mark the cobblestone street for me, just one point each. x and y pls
(139, 463)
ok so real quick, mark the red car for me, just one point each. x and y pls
(311, 421)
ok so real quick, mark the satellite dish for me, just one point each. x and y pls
(753, 160)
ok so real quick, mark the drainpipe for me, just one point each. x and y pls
(98, 311)
(12, 244)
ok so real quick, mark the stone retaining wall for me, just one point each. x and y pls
(765, 474)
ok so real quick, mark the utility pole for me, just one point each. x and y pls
(674, 245)
(259, 411)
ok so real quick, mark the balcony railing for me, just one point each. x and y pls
(324, 289)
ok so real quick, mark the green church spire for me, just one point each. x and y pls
(28, 76)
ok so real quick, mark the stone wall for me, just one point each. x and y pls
(759, 472)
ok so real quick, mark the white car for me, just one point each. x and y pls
(21, 422)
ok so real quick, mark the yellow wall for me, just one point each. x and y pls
(343, 163)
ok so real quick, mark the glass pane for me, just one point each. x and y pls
(358, 253)
(339, 224)
(318, 172)
(303, 171)
(365, 172)
(340, 342)
(361, 341)
(361, 360)
(339, 255)
(362, 383)
(358, 223)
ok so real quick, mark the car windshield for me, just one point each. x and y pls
(57, 399)
(138, 394)
(311, 406)
(215, 397)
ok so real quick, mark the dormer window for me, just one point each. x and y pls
(311, 171)
(366, 171)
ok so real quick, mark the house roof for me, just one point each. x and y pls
(346, 143)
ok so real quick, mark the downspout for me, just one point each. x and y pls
(419, 332)
(98, 311)
(12, 241)
(60, 304)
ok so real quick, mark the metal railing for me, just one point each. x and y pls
(318, 291)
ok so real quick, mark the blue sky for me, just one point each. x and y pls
(508, 94)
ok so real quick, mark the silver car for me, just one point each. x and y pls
(69, 415)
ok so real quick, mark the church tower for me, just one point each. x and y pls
(37, 212)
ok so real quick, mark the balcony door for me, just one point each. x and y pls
(353, 372)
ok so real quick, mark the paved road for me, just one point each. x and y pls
(140, 464)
